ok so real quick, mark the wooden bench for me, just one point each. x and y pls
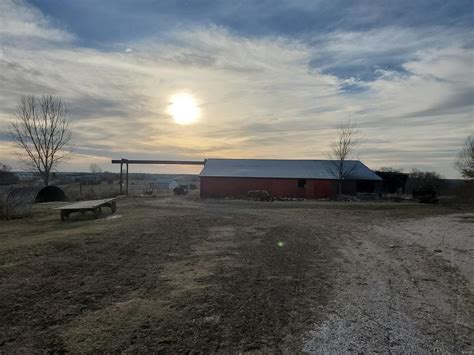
(95, 206)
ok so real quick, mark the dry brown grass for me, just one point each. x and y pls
(177, 274)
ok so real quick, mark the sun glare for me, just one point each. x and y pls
(184, 109)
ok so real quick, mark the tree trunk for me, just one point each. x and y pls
(46, 178)
(341, 177)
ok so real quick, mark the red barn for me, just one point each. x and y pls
(310, 179)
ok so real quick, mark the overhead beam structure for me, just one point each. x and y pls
(126, 162)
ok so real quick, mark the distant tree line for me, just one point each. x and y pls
(6, 175)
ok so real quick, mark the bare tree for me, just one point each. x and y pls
(41, 130)
(465, 161)
(5, 167)
(341, 150)
(389, 169)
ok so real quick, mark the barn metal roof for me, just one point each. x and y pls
(291, 169)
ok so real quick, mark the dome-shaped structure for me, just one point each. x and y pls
(17, 201)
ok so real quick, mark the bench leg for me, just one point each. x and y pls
(64, 215)
(113, 206)
(97, 212)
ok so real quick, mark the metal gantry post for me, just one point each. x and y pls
(123, 161)
(121, 179)
(126, 179)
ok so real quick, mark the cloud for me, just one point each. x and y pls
(367, 55)
(21, 22)
(270, 96)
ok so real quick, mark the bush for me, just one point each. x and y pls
(463, 193)
(421, 179)
(426, 194)
(424, 185)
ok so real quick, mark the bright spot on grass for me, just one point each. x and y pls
(280, 244)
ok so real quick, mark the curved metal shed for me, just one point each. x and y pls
(17, 201)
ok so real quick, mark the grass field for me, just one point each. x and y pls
(177, 274)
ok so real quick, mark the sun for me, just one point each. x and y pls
(184, 109)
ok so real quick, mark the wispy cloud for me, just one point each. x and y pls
(261, 96)
(24, 23)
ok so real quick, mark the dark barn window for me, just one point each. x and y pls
(302, 183)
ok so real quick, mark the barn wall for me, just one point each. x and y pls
(220, 187)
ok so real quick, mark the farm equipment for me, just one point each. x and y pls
(180, 190)
(259, 195)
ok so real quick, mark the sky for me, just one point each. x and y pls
(270, 79)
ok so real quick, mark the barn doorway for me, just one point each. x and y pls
(367, 187)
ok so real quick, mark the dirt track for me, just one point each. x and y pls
(176, 275)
